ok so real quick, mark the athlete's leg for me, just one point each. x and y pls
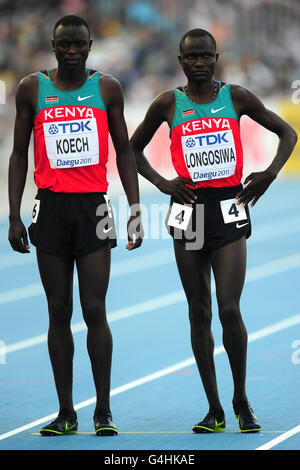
(195, 273)
(229, 267)
(57, 277)
(93, 275)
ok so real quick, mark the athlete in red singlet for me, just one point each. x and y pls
(71, 109)
(203, 117)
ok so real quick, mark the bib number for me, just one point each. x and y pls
(35, 210)
(108, 204)
(232, 212)
(179, 216)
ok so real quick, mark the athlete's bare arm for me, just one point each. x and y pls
(161, 110)
(114, 101)
(246, 103)
(18, 163)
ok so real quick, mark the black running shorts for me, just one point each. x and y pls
(72, 223)
(213, 221)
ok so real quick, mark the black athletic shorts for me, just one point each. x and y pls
(213, 221)
(71, 223)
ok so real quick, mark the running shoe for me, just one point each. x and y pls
(213, 422)
(62, 425)
(104, 425)
(246, 418)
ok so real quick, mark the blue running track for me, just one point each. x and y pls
(156, 393)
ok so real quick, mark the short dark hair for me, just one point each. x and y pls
(197, 33)
(71, 20)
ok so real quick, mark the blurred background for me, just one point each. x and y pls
(137, 42)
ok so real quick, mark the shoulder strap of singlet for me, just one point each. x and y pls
(222, 86)
(45, 72)
(92, 73)
(181, 89)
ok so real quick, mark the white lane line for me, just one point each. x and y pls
(159, 258)
(263, 232)
(268, 231)
(262, 333)
(120, 314)
(118, 268)
(274, 442)
(253, 274)
(282, 227)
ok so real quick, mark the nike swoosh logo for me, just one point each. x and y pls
(84, 97)
(67, 428)
(216, 110)
(218, 424)
(105, 230)
(240, 226)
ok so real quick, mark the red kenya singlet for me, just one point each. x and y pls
(70, 137)
(205, 140)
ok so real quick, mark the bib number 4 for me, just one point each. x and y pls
(179, 216)
(232, 212)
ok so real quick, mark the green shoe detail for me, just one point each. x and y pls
(62, 425)
(247, 420)
(104, 426)
(209, 424)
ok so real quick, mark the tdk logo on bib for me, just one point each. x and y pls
(53, 129)
(208, 139)
(190, 142)
(70, 127)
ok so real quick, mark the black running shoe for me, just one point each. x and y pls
(246, 418)
(62, 425)
(104, 425)
(214, 421)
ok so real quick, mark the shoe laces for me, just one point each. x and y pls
(246, 409)
(214, 414)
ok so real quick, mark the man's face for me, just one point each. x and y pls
(198, 58)
(71, 45)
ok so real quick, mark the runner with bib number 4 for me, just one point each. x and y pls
(209, 217)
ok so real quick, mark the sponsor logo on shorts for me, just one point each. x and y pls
(105, 230)
(238, 225)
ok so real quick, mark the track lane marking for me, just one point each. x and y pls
(274, 442)
(262, 333)
(253, 274)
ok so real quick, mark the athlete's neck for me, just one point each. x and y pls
(202, 92)
(68, 79)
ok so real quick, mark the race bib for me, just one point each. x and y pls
(232, 212)
(72, 143)
(209, 155)
(179, 216)
(35, 210)
(108, 204)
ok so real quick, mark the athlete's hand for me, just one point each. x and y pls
(135, 232)
(177, 188)
(17, 236)
(257, 184)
